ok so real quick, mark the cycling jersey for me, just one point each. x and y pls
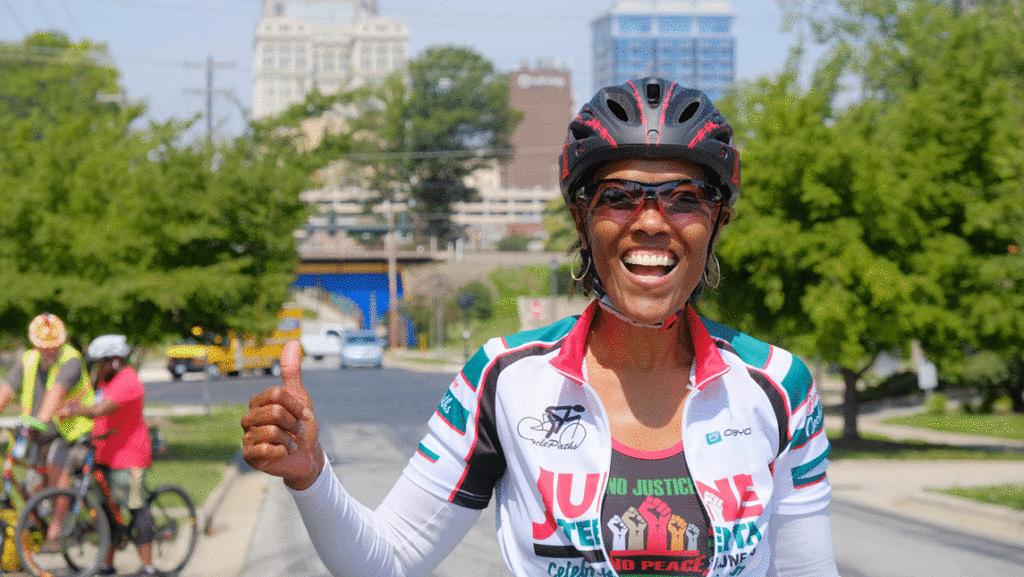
(521, 422)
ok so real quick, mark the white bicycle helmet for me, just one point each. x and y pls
(109, 346)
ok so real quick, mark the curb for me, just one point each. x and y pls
(216, 498)
(966, 507)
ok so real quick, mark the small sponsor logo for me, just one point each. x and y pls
(736, 432)
(716, 436)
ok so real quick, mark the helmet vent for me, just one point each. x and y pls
(618, 110)
(689, 112)
(653, 94)
(576, 133)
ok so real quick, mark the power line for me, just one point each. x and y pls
(71, 18)
(209, 91)
(14, 16)
(176, 7)
(46, 14)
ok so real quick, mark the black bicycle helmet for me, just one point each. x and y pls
(649, 118)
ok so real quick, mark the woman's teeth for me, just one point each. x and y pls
(649, 259)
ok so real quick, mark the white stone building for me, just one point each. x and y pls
(329, 44)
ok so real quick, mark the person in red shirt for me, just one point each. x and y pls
(127, 452)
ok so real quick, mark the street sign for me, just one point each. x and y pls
(535, 309)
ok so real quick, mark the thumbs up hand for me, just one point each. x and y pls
(281, 435)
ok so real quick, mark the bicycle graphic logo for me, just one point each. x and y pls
(559, 428)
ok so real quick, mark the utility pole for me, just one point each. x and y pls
(389, 242)
(209, 91)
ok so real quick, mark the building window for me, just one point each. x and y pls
(365, 57)
(634, 24)
(268, 56)
(328, 65)
(675, 25)
(382, 58)
(300, 58)
(397, 56)
(714, 24)
(284, 58)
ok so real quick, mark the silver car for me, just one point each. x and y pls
(361, 349)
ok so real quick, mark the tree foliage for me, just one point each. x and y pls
(865, 225)
(119, 229)
(446, 118)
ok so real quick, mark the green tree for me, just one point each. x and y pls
(447, 117)
(950, 82)
(119, 229)
(863, 227)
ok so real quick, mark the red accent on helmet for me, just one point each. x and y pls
(618, 123)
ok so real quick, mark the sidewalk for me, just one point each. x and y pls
(908, 487)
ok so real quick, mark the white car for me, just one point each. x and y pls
(325, 341)
(362, 349)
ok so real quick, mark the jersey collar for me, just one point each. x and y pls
(569, 360)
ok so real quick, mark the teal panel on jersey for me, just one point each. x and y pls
(810, 472)
(797, 383)
(473, 369)
(752, 351)
(813, 425)
(453, 412)
(430, 455)
(548, 334)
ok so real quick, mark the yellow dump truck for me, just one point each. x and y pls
(231, 353)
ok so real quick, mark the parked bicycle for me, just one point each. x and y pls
(92, 523)
(19, 454)
(17, 488)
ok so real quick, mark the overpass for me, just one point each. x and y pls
(359, 279)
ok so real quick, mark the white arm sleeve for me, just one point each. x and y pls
(409, 533)
(802, 546)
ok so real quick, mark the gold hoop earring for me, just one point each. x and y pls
(584, 265)
(712, 272)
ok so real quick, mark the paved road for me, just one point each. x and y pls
(871, 543)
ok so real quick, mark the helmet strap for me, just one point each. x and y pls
(607, 304)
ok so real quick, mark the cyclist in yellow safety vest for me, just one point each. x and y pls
(49, 376)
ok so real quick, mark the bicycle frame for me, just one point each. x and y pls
(10, 461)
(90, 474)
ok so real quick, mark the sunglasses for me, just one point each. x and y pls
(677, 200)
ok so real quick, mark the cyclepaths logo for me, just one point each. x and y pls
(559, 427)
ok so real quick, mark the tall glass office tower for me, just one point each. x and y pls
(689, 42)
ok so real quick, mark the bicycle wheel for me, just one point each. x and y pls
(83, 540)
(175, 528)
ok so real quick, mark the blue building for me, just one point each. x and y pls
(689, 42)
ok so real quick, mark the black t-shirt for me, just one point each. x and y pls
(652, 520)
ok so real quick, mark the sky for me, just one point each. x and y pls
(161, 46)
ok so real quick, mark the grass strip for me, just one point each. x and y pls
(871, 446)
(199, 449)
(1003, 426)
(1010, 496)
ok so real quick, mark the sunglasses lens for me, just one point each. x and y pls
(690, 197)
(682, 199)
(618, 197)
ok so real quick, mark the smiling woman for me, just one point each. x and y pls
(637, 439)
